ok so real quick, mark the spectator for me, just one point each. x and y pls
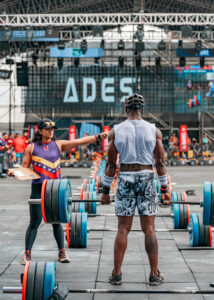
(10, 143)
(3, 143)
(19, 144)
(25, 137)
(173, 144)
(189, 143)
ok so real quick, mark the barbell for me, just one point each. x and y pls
(39, 281)
(77, 230)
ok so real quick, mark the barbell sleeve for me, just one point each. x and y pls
(12, 290)
(113, 215)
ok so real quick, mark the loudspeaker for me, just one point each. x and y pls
(22, 73)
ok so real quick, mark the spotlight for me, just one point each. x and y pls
(202, 61)
(180, 44)
(97, 31)
(207, 32)
(76, 32)
(60, 62)
(96, 61)
(84, 46)
(138, 62)
(102, 44)
(119, 29)
(23, 47)
(139, 33)
(186, 31)
(49, 30)
(29, 33)
(157, 65)
(7, 33)
(182, 61)
(35, 58)
(162, 45)
(140, 46)
(121, 45)
(198, 45)
(61, 45)
(121, 61)
(76, 62)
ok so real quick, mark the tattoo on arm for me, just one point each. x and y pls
(112, 156)
(159, 154)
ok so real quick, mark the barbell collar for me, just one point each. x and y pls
(12, 290)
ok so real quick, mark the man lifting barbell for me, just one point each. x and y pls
(138, 143)
(44, 154)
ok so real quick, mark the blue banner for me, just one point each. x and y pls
(75, 52)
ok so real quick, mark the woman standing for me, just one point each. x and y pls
(44, 154)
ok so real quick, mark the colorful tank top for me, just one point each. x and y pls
(46, 161)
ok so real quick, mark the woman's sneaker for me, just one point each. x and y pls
(63, 256)
(115, 279)
(26, 257)
(156, 280)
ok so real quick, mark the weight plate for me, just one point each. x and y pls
(39, 280)
(94, 204)
(73, 230)
(65, 208)
(212, 206)
(176, 215)
(24, 283)
(75, 207)
(55, 201)
(78, 225)
(185, 209)
(211, 240)
(174, 198)
(68, 229)
(84, 229)
(85, 197)
(43, 200)
(201, 240)
(81, 207)
(48, 201)
(31, 281)
(90, 206)
(206, 236)
(194, 230)
(49, 280)
(207, 203)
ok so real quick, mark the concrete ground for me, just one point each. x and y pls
(90, 268)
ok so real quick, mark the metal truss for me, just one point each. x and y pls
(67, 20)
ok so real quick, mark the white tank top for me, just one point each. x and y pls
(135, 142)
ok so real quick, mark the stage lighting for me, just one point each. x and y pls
(29, 33)
(157, 65)
(60, 62)
(207, 32)
(162, 45)
(121, 45)
(182, 61)
(76, 62)
(202, 61)
(121, 61)
(180, 44)
(186, 31)
(140, 46)
(97, 31)
(139, 33)
(23, 47)
(138, 62)
(84, 46)
(7, 33)
(76, 32)
(35, 58)
(96, 61)
(198, 45)
(49, 30)
(102, 44)
(61, 46)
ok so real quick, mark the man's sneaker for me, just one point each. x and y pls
(63, 256)
(115, 279)
(156, 280)
(26, 257)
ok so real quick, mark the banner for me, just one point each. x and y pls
(72, 136)
(183, 147)
(105, 141)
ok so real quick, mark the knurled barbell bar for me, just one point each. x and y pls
(39, 282)
(76, 231)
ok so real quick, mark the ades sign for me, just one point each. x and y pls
(89, 88)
